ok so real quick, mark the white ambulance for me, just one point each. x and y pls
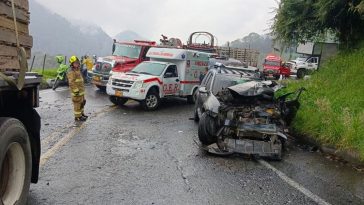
(170, 72)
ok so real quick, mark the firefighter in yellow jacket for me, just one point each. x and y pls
(77, 88)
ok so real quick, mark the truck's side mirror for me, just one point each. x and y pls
(168, 75)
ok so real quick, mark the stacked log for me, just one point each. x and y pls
(8, 48)
(249, 56)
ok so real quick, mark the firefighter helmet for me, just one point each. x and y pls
(73, 59)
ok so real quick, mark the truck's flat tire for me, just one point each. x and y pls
(151, 101)
(15, 162)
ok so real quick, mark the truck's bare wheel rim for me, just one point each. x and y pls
(151, 101)
(12, 174)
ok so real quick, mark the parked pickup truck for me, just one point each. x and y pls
(171, 72)
(303, 66)
(125, 57)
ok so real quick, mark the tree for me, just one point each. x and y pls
(310, 20)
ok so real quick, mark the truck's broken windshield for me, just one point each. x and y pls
(272, 63)
(224, 81)
(129, 51)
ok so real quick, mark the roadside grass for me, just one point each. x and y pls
(49, 73)
(332, 108)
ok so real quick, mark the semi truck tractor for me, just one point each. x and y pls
(19, 95)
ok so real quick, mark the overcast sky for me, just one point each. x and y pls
(226, 19)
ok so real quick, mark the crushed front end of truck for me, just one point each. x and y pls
(247, 119)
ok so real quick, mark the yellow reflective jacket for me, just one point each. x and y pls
(75, 81)
(89, 63)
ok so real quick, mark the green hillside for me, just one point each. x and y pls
(333, 107)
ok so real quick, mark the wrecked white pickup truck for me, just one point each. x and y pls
(247, 119)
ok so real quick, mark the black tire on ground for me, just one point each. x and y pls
(196, 117)
(102, 88)
(15, 162)
(191, 99)
(118, 100)
(55, 84)
(207, 129)
(301, 73)
(277, 77)
(151, 101)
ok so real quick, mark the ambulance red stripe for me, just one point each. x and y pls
(153, 79)
(190, 82)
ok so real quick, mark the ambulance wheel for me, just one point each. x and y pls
(191, 99)
(152, 101)
(15, 162)
(118, 100)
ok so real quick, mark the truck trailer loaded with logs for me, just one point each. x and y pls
(19, 95)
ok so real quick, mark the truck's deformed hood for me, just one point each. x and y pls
(252, 88)
(249, 92)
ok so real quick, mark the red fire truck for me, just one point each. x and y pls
(273, 67)
(126, 55)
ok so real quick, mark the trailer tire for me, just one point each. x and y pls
(301, 73)
(15, 162)
(207, 129)
(118, 100)
(152, 100)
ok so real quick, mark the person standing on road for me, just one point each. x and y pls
(77, 88)
(88, 65)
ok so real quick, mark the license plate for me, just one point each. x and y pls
(118, 93)
(96, 78)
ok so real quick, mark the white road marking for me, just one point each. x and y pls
(294, 184)
(73, 132)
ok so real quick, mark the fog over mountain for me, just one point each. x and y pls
(54, 35)
(128, 36)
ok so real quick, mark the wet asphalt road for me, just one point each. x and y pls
(124, 155)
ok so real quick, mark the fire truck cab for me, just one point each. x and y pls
(273, 67)
(126, 56)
